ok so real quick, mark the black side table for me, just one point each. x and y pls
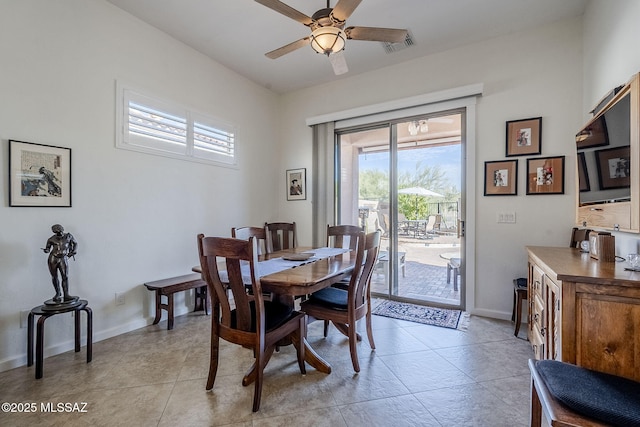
(45, 312)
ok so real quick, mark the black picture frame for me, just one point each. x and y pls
(583, 173)
(297, 184)
(545, 175)
(501, 178)
(613, 166)
(523, 137)
(39, 175)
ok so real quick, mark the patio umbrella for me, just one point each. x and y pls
(419, 191)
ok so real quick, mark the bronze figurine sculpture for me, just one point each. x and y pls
(60, 247)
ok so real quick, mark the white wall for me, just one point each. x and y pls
(135, 216)
(611, 57)
(530, 74)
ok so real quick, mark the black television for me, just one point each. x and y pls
(603, 160)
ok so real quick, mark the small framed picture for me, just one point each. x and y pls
(583, 174)
(594, 135)
(545, 175)
(523, 137)
(613, 166)
(39, 175)
(501, 178)
(297, 184)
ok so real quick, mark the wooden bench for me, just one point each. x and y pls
(168, 287)
(616, 399)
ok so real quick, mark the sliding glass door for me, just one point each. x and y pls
(404, 178)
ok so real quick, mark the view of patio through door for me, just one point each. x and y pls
(404, 179)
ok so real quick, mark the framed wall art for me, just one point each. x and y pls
(583, 174)
(39, 175)
(523, 137)
(613, 166)
(297, 184)
(501, 178)
(545, 175)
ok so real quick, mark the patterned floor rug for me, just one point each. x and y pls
(453, 319)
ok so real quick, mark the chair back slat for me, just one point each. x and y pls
(280, 235)
(343, 236)
(258, 232)
(366, 259)
(236, 253)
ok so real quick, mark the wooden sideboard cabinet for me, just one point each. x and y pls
(584, 311)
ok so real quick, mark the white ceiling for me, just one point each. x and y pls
(237, 33)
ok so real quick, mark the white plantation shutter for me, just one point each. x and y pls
(213, 143)
(157, 127)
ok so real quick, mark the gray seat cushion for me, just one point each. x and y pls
(608, 398)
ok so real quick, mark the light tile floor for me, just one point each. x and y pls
(418, 375)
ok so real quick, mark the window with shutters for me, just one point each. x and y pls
(157, 127)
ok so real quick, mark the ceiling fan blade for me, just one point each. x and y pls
(376, 34)
(338, 62)
(344, 9)
(287, 11)
(277, 53)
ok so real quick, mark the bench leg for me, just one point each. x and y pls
(536, 407)
(170, 311)
(158, 308)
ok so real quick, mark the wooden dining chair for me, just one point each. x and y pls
(280, 235)
(345, 307)
(245, 232)
(343, 236)
(252, 322)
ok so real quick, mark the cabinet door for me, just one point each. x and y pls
(552, 320)
(608, 334)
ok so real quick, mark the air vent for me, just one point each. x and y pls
(394, 47)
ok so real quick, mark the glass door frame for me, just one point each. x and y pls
(393, 267)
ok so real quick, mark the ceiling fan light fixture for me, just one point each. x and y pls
(328, 40)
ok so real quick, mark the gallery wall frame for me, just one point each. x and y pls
(613, 165)
(545, 175)
(297, 184)
(524, 137)
(501, 178)
(39, 175)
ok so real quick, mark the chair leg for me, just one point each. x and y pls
(518, 314)
(215, 353)
(353, 349)
(302, 333)
(326, 328)
(257, 391)
(455, 278)
(513, 310)
(370, 330)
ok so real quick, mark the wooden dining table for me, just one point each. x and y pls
(304, 278)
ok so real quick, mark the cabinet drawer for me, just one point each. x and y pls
(537, 344)
(537, 314)
(536, 282)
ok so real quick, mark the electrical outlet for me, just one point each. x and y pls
(120, 298)
(24, 318)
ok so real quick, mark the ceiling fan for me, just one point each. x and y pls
(328, 34)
